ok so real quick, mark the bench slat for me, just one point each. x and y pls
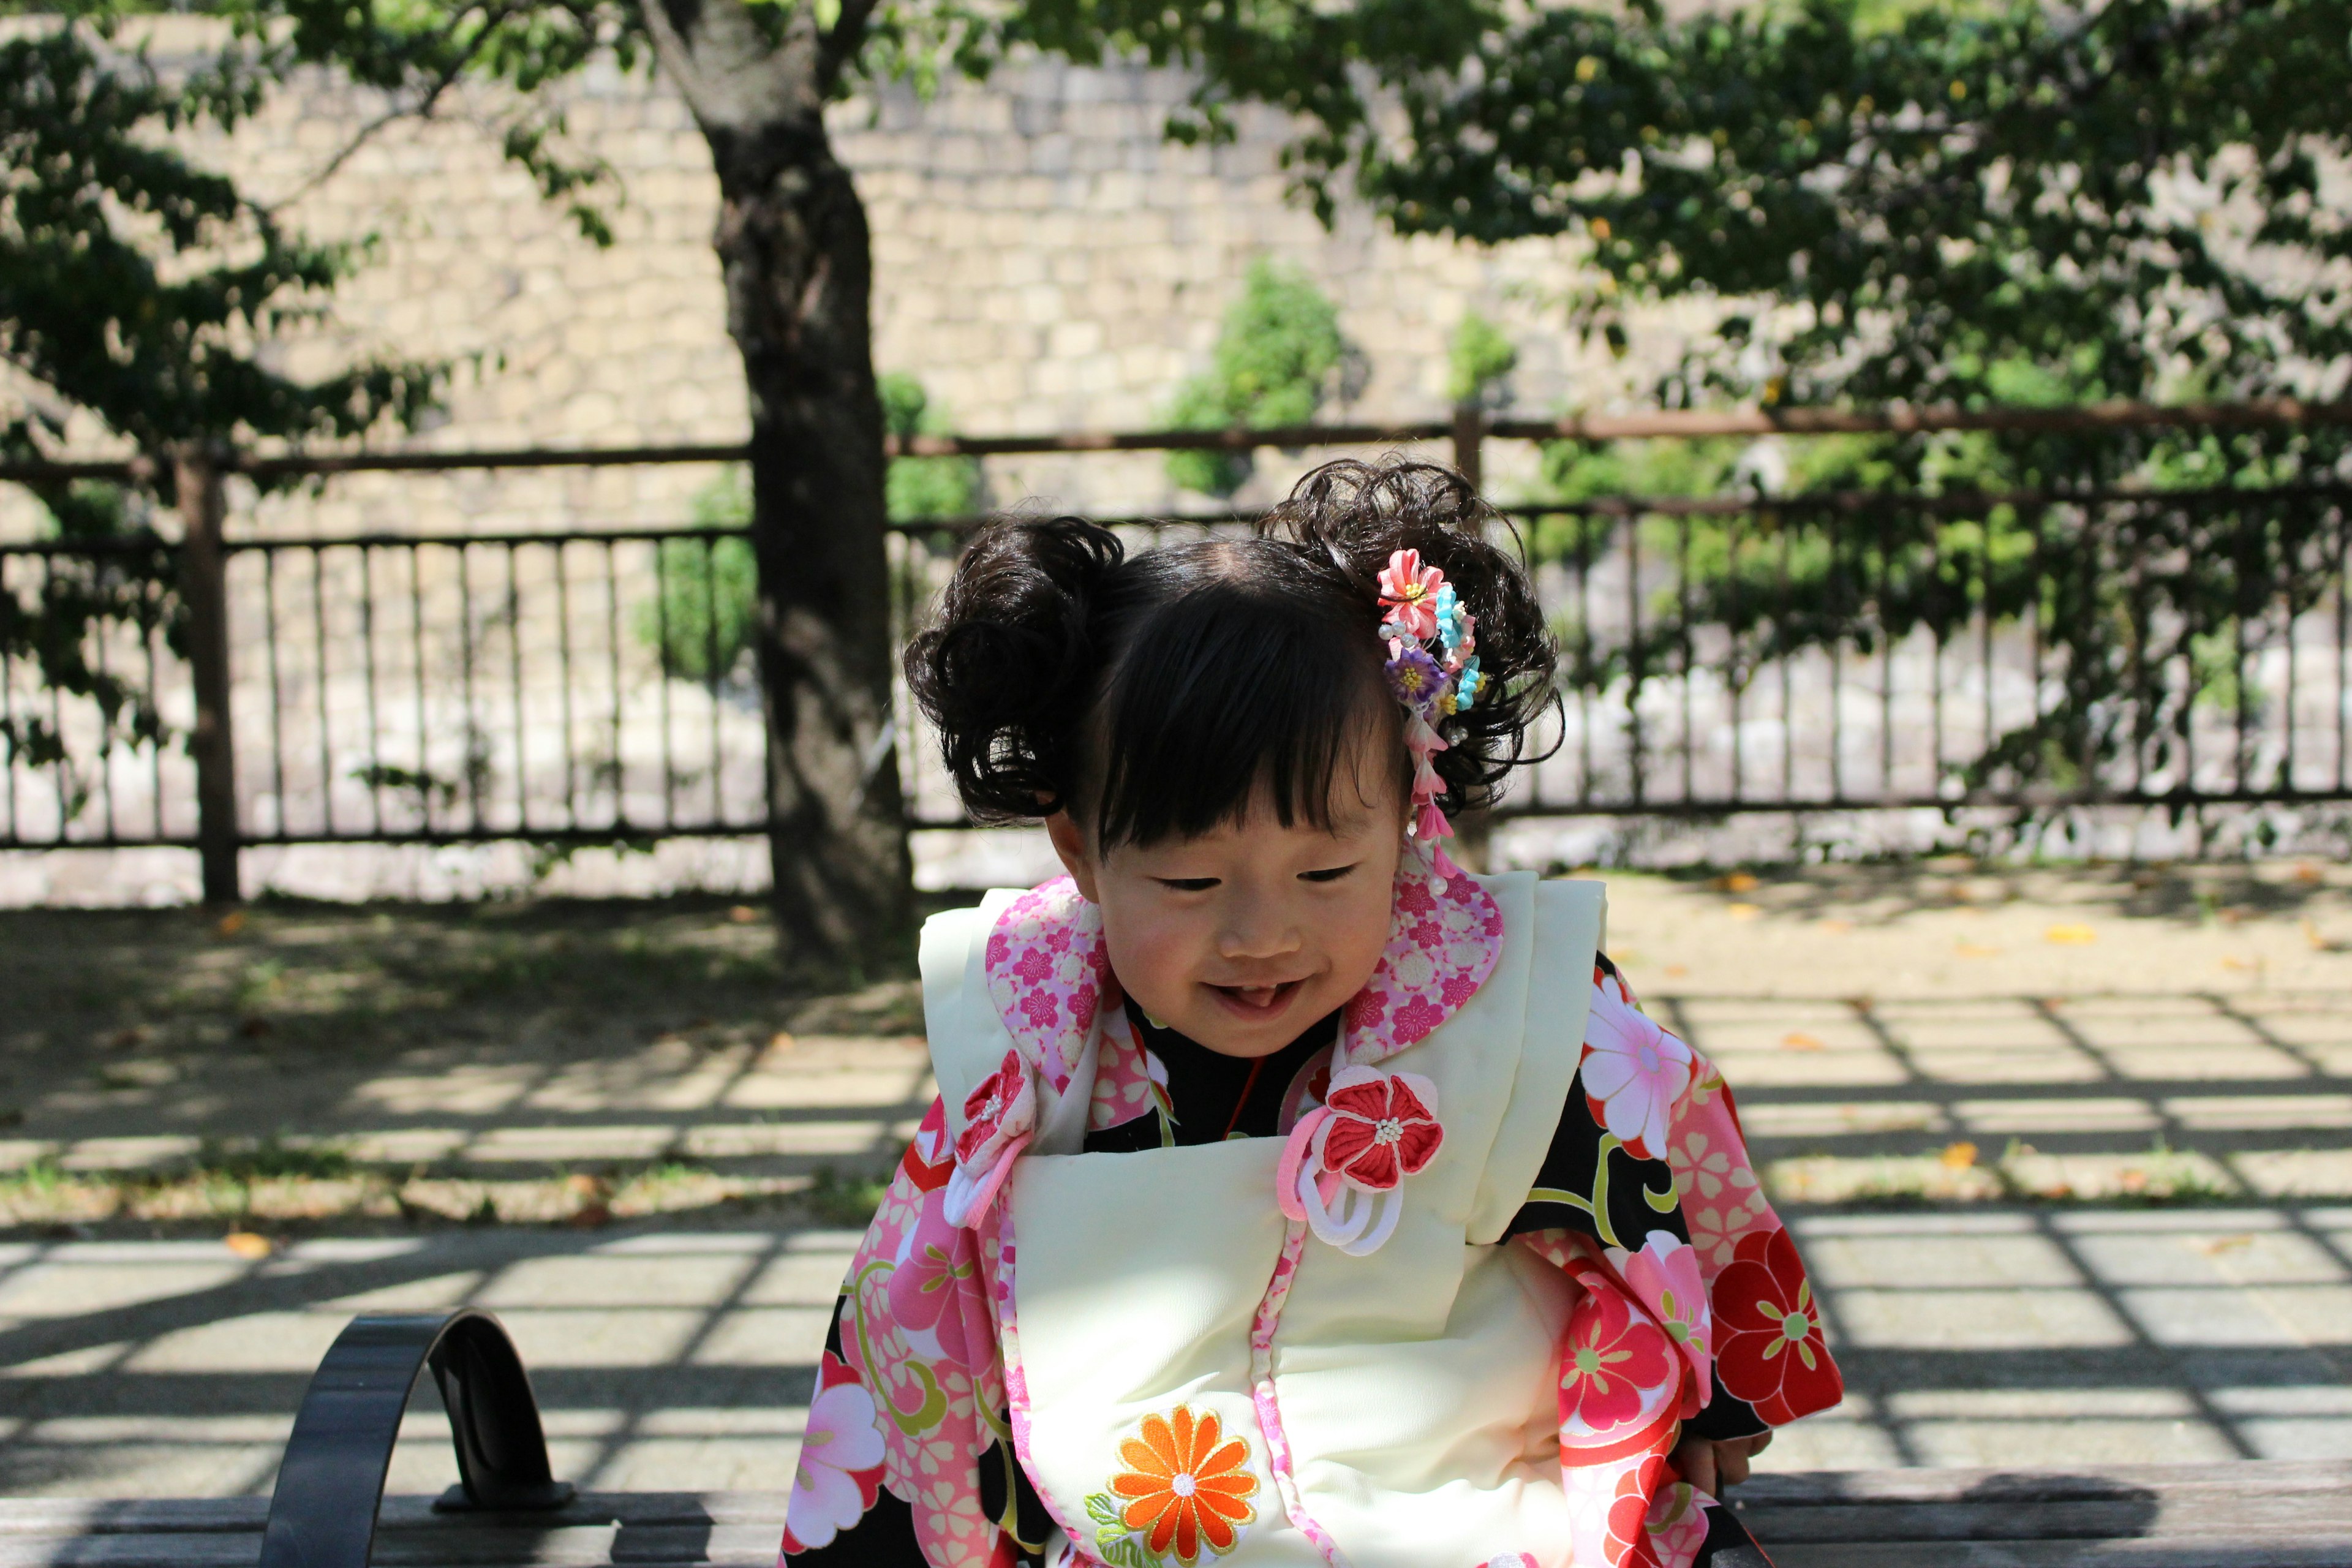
(2243, 1514)
(2067, 1554)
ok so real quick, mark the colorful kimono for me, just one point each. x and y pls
(1513, 1252)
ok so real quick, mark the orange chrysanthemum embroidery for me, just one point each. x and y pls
(1186, 1487)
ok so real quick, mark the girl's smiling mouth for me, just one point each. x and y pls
(1257, 1002)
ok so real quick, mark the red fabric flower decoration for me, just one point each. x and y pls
(1610, 1358)
(1002, 1107)
(1383, 1127)
(1768, 1347)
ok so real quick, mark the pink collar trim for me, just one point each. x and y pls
(1049, 970)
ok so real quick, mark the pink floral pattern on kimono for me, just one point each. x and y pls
(1734, 1302)
(939, 1406)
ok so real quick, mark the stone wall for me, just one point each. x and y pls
(1044, 259)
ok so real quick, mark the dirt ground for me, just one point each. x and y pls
(1931, 1031)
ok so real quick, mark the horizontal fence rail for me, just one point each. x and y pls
(1719, 654)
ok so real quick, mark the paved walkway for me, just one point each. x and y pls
(1970, 1092)
(670, 1359)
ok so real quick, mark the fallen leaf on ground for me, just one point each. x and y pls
(1974, 950)
(1958, 1156)
(1742, 911)
(2232, 961)
(742, 915)
(1676, 971)
(2070, 935)
(2307, 872)
(230, 923)
(1798, 1040)
(1836, 928)
(780, 1042)
(1737, 882)
(2222, 1244)
(246, 1245)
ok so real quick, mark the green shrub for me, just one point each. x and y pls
(923, 486)
(1478, 361)
(708, 606)
(1277, 357)
(707, 591)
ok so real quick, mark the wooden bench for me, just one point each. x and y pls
(328, 1511)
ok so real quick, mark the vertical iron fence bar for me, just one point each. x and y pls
(474, 761)
(2088, 562)
(2241, 576)
(416, 660)
(1788, 662)
(2191, 600)
(1886, 652)
(2285, 592)
(1584, 657)
(1985, 630)
(1931, 601)
(9, 706)
(563, 669)
(662, 559)
(147, 628)
(710, 661)
(1839, 626)
(318, 675)
(612, 654)
(64, 769)
(367, 671)
(514, 690)
(105, 725)
(2033, 610)
(2140, 619)
(1735, 682)
(1634, 656)
(1683, 641)
(277, 689)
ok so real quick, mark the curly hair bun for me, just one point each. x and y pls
(1359, 515)
(1012, 660)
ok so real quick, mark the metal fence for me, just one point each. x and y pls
(1721, 653)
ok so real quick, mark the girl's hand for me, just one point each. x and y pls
(1711, 1466)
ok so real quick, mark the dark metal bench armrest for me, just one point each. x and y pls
(323, 1513)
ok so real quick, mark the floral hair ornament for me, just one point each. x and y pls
(1000, 1117)
(1433, 671)
(1372, 1131)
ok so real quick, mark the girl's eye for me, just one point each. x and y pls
(1331, 874)
(1188, 884)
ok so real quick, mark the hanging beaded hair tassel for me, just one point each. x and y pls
(1433, 668)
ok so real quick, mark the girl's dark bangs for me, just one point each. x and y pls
(1223, 691)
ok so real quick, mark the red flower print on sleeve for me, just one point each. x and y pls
(1610, 1359)
(1768, 1346)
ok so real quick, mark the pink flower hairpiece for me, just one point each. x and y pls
(1432, 683)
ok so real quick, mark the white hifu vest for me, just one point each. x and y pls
(1417, 1386)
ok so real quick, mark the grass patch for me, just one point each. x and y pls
(844, 1198)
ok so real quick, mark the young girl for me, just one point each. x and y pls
(1291, 1197)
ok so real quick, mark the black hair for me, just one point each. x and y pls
(1158, 692)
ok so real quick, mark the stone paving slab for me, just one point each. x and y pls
(1934, 1045)
(684, 1360)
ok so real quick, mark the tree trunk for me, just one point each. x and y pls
(796, 258)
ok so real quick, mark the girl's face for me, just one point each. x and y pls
(1242, 937)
